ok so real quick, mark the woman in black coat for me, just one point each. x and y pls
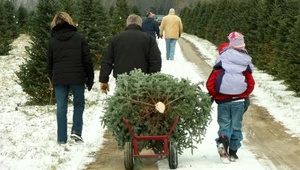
(70, 67)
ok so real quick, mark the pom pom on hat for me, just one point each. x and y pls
(236, 39)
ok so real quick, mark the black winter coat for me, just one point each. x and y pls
(69, 60)
(128, 50)
(150, 27)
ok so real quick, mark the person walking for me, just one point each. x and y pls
(129, 50)
(69, 67)
(230, 85)
(150, 26)
(171, 27)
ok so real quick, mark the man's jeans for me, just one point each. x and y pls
(61, 94)
(170, 47)
(230, 117)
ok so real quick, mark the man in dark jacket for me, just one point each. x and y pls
(129, 50)
(70, 67)
(150, 26)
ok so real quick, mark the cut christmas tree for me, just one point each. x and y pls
(150, 103)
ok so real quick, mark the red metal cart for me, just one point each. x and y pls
(170, 148)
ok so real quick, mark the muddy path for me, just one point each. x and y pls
(111, 157)
(266, 138)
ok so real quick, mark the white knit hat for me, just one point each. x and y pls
(236, 39)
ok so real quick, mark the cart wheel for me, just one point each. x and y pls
(128, 156)
(173, 156)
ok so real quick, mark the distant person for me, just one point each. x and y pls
(230, 85)
(150, 26)
(171, 27)
(70, 67)
(129, 50)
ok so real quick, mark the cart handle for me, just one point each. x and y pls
(173, 125)
(133, 134)
(128, 126)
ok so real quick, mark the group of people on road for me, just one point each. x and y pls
(70, 67)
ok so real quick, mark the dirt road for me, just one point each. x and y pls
(267, 138)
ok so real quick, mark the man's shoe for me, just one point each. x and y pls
(232, 155)
(77, 138)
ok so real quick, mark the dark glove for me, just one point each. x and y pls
(89, 84)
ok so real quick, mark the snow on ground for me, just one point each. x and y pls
(28, 133)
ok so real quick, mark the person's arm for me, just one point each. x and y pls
(210, 84)
(107, 64)
(250, 83)
(88, 63)
(180, 27)
(162, 27)
(156, 27)
(49, 61)
(154, 57)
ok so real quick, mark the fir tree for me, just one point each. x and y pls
(5, 33)
(33, 75)
(11, 19)
(30, 23)
(68, 6)
(135, 98)
(22, 17)
(284, 27)
(94, 24)
(200, 25)
(291, 62)
(135, 10)
(121, 12)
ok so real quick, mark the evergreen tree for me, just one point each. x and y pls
(291, 62)
(135, 10)
(253, 34)
(184, 13)
(288, 11)
(5, 33)
(11, 19)
(199, 29)
(257, 36)
(29, 26)
(68, 6)
(121, 12)
(33, 74)
(209, 8)
(94, 24)
(22, 17)
(273, 23)
(191, 20)
(161, 10)
(111, 11)
(215, 24)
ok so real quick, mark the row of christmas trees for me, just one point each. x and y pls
(12, 22)
(95, 22)
(271, 29)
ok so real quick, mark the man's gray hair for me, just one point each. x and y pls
(134, 19)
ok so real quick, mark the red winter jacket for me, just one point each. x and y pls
(221, 98)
